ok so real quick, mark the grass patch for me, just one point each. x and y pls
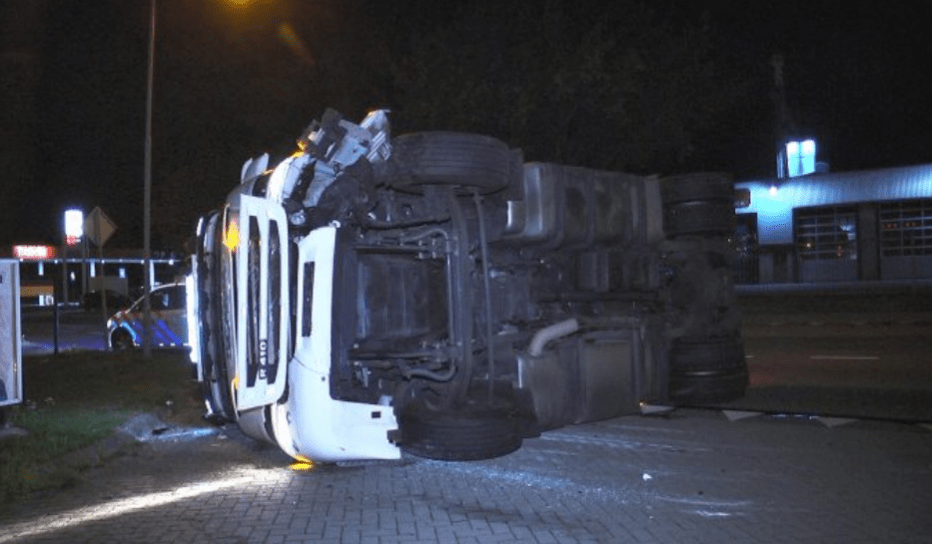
(26, 461)
(76, 399)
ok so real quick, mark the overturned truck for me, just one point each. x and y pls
(433, 294)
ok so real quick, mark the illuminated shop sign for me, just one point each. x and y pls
(74, 226)
(34, 253)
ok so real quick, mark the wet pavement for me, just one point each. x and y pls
(792, 462)
(679, 476)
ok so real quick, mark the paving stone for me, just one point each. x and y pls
(760, 479)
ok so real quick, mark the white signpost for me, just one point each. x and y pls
(11, 348)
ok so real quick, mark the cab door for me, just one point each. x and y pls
(263, 310)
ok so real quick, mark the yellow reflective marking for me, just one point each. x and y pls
(301, 463)
(231, 236)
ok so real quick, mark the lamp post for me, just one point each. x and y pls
(147, 191)
(147, 197)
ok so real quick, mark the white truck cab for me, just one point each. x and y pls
(435, 295)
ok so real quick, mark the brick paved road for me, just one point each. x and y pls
(691, 476)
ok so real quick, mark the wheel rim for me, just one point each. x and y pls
(121, 341)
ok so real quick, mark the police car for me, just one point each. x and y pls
(169, 320)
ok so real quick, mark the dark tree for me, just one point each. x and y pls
(613, 87)
(21, 25)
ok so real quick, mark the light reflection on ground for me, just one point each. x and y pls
(238, 476)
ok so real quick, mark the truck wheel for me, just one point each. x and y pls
(698, 204)
(699, 217)
(703, 390)
(463, 435)
(120, 340)
(696, 187)
(465, 161)
(707, 370)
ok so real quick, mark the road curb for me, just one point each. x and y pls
(140, 429)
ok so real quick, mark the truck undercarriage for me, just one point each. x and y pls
(432, 293)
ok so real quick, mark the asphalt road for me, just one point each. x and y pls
(839, 353)
(865, 372)
(77, 330)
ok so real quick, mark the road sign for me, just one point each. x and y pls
(98, 227)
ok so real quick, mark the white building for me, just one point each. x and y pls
(849, 226)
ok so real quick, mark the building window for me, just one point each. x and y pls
(906, 228)
(826, 233)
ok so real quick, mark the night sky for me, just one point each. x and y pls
(234, 81)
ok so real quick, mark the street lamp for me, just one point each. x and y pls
(147, 200)
(147, 191)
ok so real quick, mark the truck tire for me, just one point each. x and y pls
(467, 434)
(698, 204)
(465, 161)
(707, 370)
(696, 187)
(700, 217)
(120, 340)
